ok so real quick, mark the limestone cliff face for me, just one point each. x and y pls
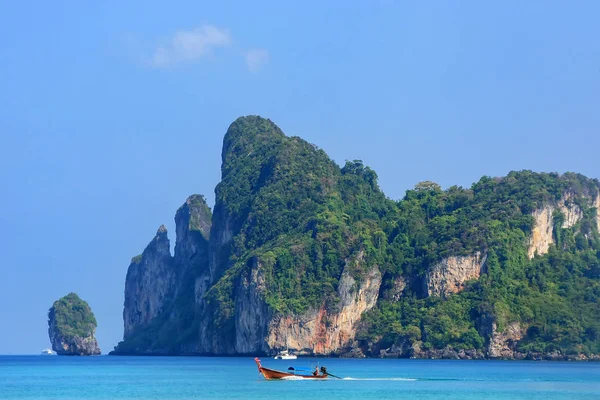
(258, 329)
(323, 331)
(449, 275)
(503, 344)
(252, 314)
(210, 340)
(571, 210)
(160, 312)
(74, 346)
(542, 235)
(597, 206)
(193, 223)
(221, 235)
(151, 280)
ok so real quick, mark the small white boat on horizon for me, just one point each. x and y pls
(285, 355)
(48, 352)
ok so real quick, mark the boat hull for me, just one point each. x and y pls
(274, 374)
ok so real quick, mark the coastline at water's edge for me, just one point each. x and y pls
(445, 354)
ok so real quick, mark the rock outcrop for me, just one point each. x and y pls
(151, 280)
(503, 344)
(394, 293)
(542, 235)
(160, 310)
(449, 275)
(252, 313)
(325, 331)
(597, 206)
(71, 327)
(193, 222)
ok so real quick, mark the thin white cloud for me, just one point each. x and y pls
(191, 45)
(256, 58)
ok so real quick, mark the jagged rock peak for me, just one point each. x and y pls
(151, 279)
(71, 327)
(160, 242)
(193, 222)
(194, 215)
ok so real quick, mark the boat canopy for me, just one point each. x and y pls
(300, 369)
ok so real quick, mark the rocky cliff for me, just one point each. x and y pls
(328, 331)
(301, 253)
(151, 280)
(569, 208)
(448, 276)
(542, 234)
(71, 327)
(160, 311)
(503, 344)
(597, 206)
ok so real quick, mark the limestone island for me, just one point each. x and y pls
(71, 327)
(302, 254)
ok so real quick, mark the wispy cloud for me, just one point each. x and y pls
(256, 58)
(191, 45)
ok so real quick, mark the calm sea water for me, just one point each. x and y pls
(104, 377)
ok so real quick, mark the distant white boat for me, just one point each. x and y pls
(285, 355)
(48, 352)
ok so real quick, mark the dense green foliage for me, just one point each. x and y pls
(72, 316)
(303, 218)
(290, 209)
(554, 296)
(297, 213)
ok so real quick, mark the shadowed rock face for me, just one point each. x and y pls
(160, 288)
(193, 224)
(151, 279)
(71, 327)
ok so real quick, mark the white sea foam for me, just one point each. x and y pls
(379, 379)
(294, 378)
(299, 378)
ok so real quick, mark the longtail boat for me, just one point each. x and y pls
(274, 374)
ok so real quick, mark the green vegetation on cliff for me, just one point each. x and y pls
(297, 213)
(285, 208)
(73, 317)
(554, 297)
(303, 218)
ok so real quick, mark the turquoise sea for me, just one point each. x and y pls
(108, 377)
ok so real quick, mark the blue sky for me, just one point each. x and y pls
(112, 114)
